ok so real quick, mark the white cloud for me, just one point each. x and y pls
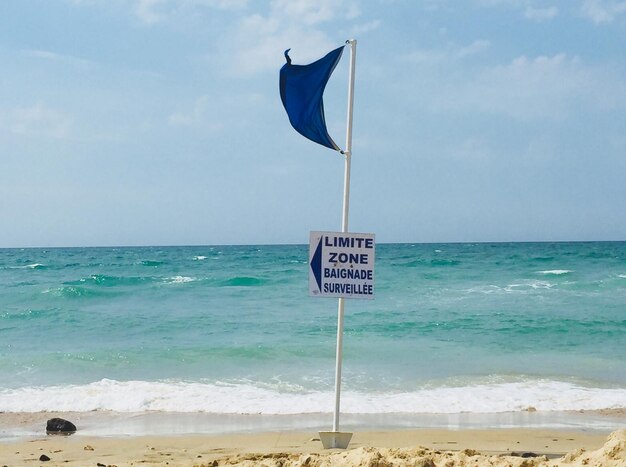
(198, 116)
(473, 49)
(425, 56)
(215, 113)
(602, 11)
(450, 53)
(497, 3)
(220, 4)
(84, 2)
(264, 52)
(147, 10)
(540, 14)
(543, 87)
(305, 11)
(37, 121)
(154, 11)
(313, 11)
(530, 10)
(362, 29)
(56, 57)
(260, 39)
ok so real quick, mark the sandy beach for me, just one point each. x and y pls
(423, 447)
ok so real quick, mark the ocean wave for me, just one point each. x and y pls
(525, 285)
(151, 263)
(229, 398)
(516, 287)
(445, 262)
(73, 291)
(556, 272)
(28, 314)
(485, 289)
(243, 281)
(104, 280)
(410, 264)
(30, 266)
(419, 262)
(180, 280)
(543, 259)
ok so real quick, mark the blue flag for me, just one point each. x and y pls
(301, 90)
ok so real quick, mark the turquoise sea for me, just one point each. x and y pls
(454, 329)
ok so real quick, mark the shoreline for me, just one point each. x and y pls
(26, 425)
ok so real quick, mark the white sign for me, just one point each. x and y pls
(341, 265)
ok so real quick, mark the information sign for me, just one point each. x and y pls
(341, 265)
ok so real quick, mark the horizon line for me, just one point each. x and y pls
(192, 245)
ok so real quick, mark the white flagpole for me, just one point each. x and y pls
(344, 228)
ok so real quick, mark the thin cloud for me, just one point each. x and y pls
(535, 88)
(216, 113)
(450, 53)
(151, 12)
(314, 11)
(425, 56)
(56, 57)
(147, 10)
(474, 48)
(530, 11)
(540, 14)
(220, 4)
(197, 117)
(36, 121)
(602, 11)
(256, 40)
(362, 29)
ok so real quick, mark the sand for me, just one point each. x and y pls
(426, 447)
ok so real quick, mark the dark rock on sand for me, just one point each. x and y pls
(524, 455)
(44, 458)
(60, 426)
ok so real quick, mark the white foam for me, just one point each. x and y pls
(528, 284)
(199, 258)
(485, 289)
(180, 279)
(28, 266)
(225, 398)
(622, 276)
(556, 272)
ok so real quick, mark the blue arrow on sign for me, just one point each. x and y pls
(316, 264)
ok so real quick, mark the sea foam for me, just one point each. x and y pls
(180, 280)
(28, 266)
(228, 398)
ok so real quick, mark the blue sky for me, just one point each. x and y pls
(158, 122)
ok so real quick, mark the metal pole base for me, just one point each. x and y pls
(335, 439)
